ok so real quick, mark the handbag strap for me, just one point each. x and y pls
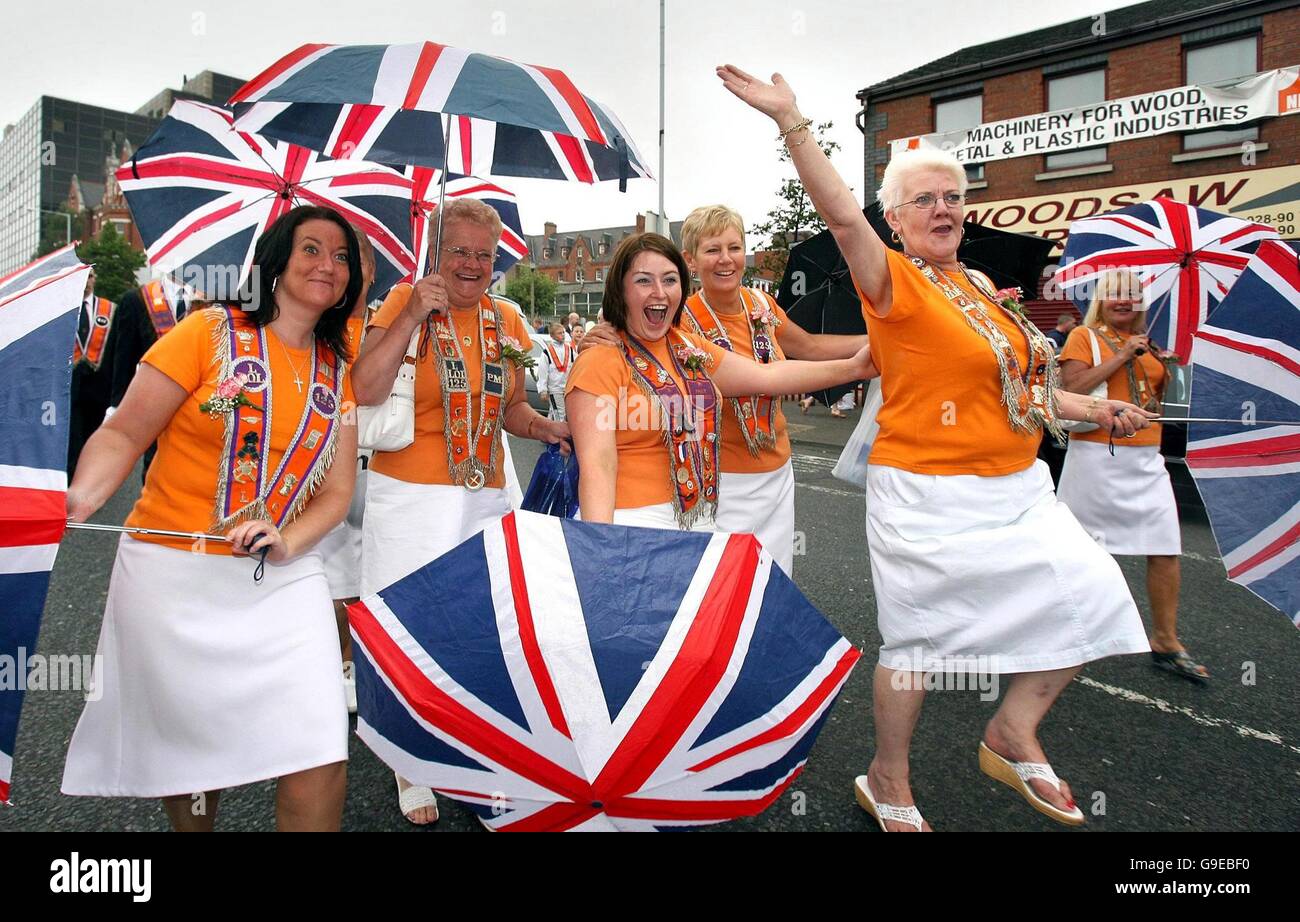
(1096, 347)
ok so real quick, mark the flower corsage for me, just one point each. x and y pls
(513, 350)
(693, 357)
(228, 397)
(1012, 299)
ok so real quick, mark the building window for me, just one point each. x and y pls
(1079, 89)
(580, 275)
(958, 115)
(602, 249)
(600, 275)
(564, 252)
(559, 276)
(1214, 64)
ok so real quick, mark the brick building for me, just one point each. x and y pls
(1249, 169)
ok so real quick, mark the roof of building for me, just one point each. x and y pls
(92, 193)
(1121, 25)
(537, 243)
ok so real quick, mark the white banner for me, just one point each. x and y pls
(1184, 108)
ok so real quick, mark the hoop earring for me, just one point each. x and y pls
(275, 281)
(893, 235)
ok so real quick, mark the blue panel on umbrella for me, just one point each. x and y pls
(1219, 396)
(630, 582)
(1254, 307)
(177, 135)
(411, 137)
(157, 211)
(522, 152)
(458, 627)
(761, 778)
(501, 91)
(347, 73)
(377, 706)
(1242, 507)
(24, 595)
(790, 639)
(33, 407)
(1281, 589)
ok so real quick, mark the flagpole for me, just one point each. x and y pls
(160, 532)
(662, 28)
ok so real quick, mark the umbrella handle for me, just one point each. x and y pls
(427, 335)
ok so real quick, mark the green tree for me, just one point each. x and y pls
(115, 262)
(794, 219)
(534, 291)
(54, 230)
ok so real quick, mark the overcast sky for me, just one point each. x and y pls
(120, 54)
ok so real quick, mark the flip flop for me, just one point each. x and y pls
(1016, 775)
(1180, 663)
(884, 812)
(414, 798)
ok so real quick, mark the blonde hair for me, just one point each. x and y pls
(365, 249)
(901, 166)
(1109, 285)
(471, 211)
(709, 221)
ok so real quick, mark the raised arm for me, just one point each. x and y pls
(863, 250)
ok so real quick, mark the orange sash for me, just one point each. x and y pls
(246, 488)
(161, 314)
(92, 350)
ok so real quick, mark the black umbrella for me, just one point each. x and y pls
(815, 265)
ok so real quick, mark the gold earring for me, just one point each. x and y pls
(894, 236)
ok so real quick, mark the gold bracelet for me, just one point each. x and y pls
(797, 126)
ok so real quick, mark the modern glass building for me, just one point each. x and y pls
(59, 138)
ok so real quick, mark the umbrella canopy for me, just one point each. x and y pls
(1246, 365)
(202, 193)
(597, 677)
(386, 103)
(1187, 259)
(38, 326)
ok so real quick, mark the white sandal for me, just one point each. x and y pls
(416, 797)
(884, 812)
(1016, 775)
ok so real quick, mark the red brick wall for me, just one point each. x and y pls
(1136, 69)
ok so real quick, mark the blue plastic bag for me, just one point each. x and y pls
(553, 489)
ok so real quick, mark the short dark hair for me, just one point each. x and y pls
(613, 307)
(271, 258)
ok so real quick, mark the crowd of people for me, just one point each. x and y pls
(672, 404)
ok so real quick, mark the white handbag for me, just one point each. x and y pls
(391, 425)
(1100, 392)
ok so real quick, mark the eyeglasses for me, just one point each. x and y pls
(483, 257)
(927, 200)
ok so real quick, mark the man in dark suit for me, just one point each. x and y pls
(92, 370)
(143, 315)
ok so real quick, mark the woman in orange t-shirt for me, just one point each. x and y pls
(645, 415)
(756, 488)
(449, 483)
(975, 565)
(211, 675)
(1124, 499)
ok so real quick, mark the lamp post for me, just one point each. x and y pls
(66, 217)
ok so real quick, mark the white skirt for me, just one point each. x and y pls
(660, 515)
(208, 680)
(340, 549)
(409, 524)
(990, 574)
(761, 505)
(1125, 502)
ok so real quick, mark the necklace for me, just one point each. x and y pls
(297, 375)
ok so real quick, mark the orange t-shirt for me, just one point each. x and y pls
(644, 474)
(181, 487)
(425, 459)
(736, 458)
(942, 410)
(1078, 348)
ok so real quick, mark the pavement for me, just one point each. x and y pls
(1142, 749)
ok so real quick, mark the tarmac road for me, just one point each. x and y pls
(1142, 749)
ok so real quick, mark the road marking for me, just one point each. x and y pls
(830, 490)
(1205, 720)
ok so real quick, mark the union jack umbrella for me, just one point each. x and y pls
(1187, 259)
(1246, 366)
(386, 103)
(38, 324)
(597, 677)
(202, 193)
